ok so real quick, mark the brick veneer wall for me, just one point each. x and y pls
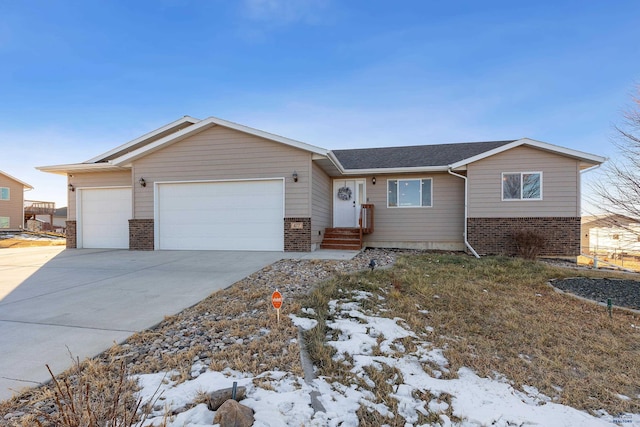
(297, 240)
(141, 235)
(495, 235)
(71, 235)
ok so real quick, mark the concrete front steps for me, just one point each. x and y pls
(347, 239)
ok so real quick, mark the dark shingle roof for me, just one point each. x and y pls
(413, 156)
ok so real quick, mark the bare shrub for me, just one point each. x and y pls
(529, 243)
(93, 394)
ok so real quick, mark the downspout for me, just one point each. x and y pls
(581, 172)
(466, 242)
(595, 259)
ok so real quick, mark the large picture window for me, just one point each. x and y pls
(409, 193)
(4, 193)
(522, 186)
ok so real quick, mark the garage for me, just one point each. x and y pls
(224, 215)
(103, 218)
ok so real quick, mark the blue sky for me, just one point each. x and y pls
(78, 78)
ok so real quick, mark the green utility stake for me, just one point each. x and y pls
(609, 306)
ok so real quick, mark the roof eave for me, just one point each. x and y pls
(24, 184)
(81, 168)
(416, 169)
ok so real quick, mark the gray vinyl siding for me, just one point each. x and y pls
(321, 215)
(225, 154)
(94, 180)
(443, 223)
(560, 185)
(14, 207)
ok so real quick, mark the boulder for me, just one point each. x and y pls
(233, 414)
(216, 398)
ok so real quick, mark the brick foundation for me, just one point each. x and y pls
(297, 234)
(493, 236)
(141, 235)
(71, 235)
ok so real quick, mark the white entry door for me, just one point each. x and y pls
(348, 197)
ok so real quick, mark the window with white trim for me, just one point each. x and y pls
(522, 186)
(409, 193)
(4, 222)
(5, 193)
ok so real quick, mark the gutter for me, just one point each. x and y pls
(466, 242)
(591, 168)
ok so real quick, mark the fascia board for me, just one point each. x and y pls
(24, 184)
(484, 155)
(182, 120)
(262, 134)
(417, 169)
(592, 158)
(80, 167)
(588, 157)
(207, 123)
(149, 148)
(335, 161)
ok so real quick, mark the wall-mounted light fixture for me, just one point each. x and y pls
(71, 187)
(373, 180)
(142, 182)
(295, 176)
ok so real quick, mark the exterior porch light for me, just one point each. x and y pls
(71, 187)
(373, 180)
(295, 176)
(142, 182)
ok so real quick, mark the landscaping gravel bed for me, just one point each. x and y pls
(623, 293)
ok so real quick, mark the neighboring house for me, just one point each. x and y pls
(610, 235)
(60, 220)
(212, 184)
(12, 202)
(38, 215)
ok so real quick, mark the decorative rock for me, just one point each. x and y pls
(215, 399)
(233, 414)
(197, 327)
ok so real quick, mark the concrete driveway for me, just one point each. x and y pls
(54, 302)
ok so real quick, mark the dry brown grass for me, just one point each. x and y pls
(627, 262)
(498, 315)
(22, 243)
(89, 394)
(242, 312)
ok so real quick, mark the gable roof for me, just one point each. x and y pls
(202, 125)
(24, 184)
(120, 158)
(441, 157)
(147, 138)
(419, 158)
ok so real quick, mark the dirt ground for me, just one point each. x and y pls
(24, 243)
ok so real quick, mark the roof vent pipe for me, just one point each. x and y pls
(466, 242)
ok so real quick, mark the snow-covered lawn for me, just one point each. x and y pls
(366, 342)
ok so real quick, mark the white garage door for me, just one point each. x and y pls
(238, 215)
(103, 218)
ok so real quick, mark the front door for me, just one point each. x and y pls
(348, 196)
